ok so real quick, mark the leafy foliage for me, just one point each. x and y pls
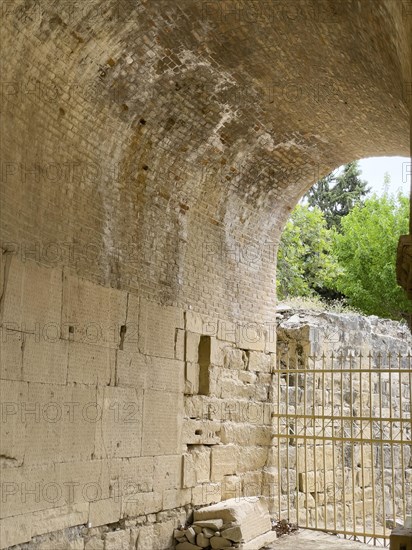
(305, 260)
(357, 262)
(336, 195)
(366, 251)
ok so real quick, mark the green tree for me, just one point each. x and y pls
(306, 264)
(336, 194)
(366, 251)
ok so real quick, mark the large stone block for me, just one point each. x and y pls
(198, 432)
(157, 329)
(131, 369)
(136, 476)
(11, 354)
(167, 472)
(250, 514)
(196, 466)
(192, 347)
(117, 540)
(138, 504)
(102, 512)
(207, 493)
(13, 403)
(223, 462)
(162, 423)
(119, 431)
(261, 362)
(92, 314)
(91, 364)
(33, 312)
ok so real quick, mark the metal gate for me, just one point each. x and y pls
(343, 443)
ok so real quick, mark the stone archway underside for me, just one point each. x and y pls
(151, 152)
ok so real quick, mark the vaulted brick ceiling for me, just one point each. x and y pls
(162, 139)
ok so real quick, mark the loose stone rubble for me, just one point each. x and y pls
(230, 524)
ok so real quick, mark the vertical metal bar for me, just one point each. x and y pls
(333, 445)
(361, 415)
(343, 447)
(323, 442)
(371, 401)
(305, 442)
(392, 445)
(401, 439)
(314, 447)
(352, 445)
(287, 442)
(381, 445)
(279, 441)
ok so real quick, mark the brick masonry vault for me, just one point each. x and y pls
(150, 155)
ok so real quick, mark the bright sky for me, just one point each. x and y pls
(398, 168)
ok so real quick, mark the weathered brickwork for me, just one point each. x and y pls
(150, 154)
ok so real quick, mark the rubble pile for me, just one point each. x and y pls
(209, 533)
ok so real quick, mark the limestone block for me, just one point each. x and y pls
(120, 430)
(57, 519)
(192, 371)
(219, 350)
(45, 361)
(232, 533)
(180, 344)
(137, 475)
(13, 401)
(157, 329)
(192, 347)
(27, 310)
(94, 543)
(175, 498)
(223, 462)
(167, 472)
(214, 524)
(245, 434)
(252, 458)
(117, 540)
(219, 542)
(251, 514)
(250, 336)
(105, 511)
(231, 487)
(60, 541)
(137, 504)
(202, 541)
(234, 359)
(14, 530)
(247, 377)
(11, 354)
(197, 432)
(131, 369)
(90, 364)
(201, 324)
(91, 313)
(226, 330)
(157, 536)
(252, 483)
(261, 362)
(206, 493)
(196, 467)
(261, 541)
(166, 375)
(162, 423)
(12, 302)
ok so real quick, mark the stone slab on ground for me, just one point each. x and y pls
(252, 517)
(313, 540)
(260, 541)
